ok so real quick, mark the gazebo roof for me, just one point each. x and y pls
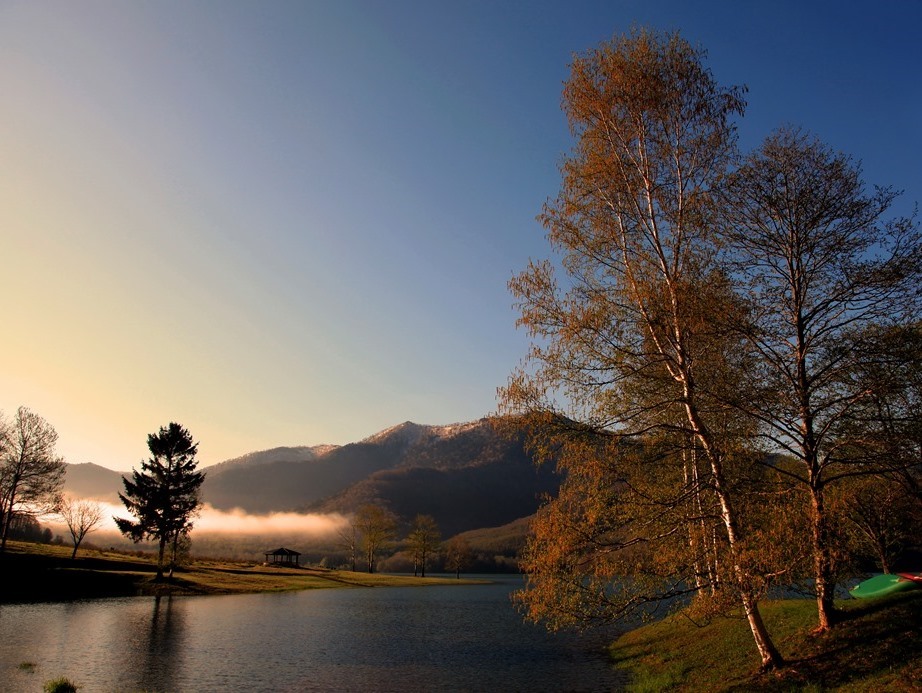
(281, 551)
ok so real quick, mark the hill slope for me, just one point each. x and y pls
(497, 484)
(467, 476)
(89, 480)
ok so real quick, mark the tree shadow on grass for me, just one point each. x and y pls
(870, 641)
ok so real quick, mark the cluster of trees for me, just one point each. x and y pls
(374, 530)
(726, 358)
(163, 499)
(163, 496)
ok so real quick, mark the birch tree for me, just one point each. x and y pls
(634, 227)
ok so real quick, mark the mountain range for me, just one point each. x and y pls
(467, 476)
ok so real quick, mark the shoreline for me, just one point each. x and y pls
(44, 573)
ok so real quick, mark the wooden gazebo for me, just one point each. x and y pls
(283, 556)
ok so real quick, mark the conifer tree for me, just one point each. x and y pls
(164, 495)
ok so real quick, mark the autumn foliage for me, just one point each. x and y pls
(708, 364)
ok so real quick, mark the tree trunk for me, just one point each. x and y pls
(160, 559)
(825, 586)
(173, 549)
(692, 543)
(6, 526)
(8, 514)
(884, 563)
(771, 658)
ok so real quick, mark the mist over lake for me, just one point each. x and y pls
(452, 638)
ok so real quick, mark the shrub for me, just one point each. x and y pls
(60, 685)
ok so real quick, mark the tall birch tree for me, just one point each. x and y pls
(634, 226)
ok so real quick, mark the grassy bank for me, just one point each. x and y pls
(878, 647)
(40, 572)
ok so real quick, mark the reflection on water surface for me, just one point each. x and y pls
(453, 638)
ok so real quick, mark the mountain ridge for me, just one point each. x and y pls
(466, 475)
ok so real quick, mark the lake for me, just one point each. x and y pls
(435, 638)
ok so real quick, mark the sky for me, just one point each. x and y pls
(293, 223)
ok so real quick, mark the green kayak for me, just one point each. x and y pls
(880, 585)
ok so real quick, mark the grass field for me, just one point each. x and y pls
(877, 647)
(44, 572)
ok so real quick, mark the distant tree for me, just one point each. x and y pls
(164, 496)
(24, 527)
(182, 550)
(457, 555)
(378, 528)
(349, 540)
(81, 516)
(883, 431)
(883, 516)
(423, 542)
(31, 474)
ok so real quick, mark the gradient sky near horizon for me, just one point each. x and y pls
(293, 223)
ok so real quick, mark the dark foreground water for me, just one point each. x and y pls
(453, 638)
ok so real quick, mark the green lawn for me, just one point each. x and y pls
(877, 647)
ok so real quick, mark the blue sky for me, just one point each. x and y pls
(285, 223)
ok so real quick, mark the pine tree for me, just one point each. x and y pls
(164, 495)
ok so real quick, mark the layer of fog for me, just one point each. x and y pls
(235, 522)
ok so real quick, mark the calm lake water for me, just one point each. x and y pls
(451, 638)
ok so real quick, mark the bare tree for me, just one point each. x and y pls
(349, 540)
(634, 222)
(883, 516)
(820, 266)
(31, 474)
(82, 516)
(378, 528)
(458, 555)
(423, 542)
